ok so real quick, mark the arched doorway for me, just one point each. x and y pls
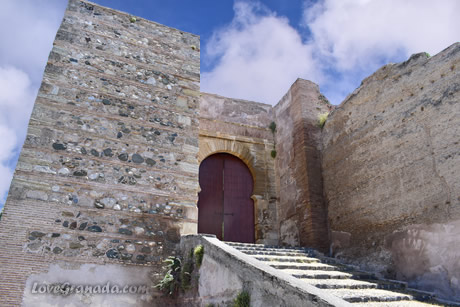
(225, 207)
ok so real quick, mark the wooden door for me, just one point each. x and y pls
(225, 207)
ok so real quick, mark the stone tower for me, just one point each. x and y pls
(107, 179)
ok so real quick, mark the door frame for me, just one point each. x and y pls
(209, 145)
(251, 195)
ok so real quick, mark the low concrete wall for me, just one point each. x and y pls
(225, 272)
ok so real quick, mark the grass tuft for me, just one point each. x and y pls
(322, 119)
(242, 300)
(199, 253)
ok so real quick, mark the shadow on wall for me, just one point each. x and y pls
(428, 258)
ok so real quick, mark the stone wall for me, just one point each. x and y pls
(302, 211)
(241, 128)
(107, 178)
(391, 164)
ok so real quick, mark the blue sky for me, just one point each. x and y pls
(249, 49)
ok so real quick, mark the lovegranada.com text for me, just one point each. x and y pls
(68, 289)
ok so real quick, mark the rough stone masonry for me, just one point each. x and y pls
(106, 180)
(391, 163)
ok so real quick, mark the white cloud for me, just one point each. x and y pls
(5, 181)
(27, 29)
(356, 34)
(8, 140)
(16, 101)
(259, 55)
(8, 144)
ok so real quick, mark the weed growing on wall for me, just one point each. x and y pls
(170, 282)
(186, 274)
(323, 99)
(322, 119)
(199, 253)
(242, 300)
(272, 127)
(179, 272)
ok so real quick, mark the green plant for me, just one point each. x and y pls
(132, 19)
(427, 55)
(323, 99)
(272, 127)
(199, 253)
(186, 274)
(170, 282)
(322, 119)
(242, 300)
(179, 273)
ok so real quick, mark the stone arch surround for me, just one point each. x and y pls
(256, 155)
(212, 146)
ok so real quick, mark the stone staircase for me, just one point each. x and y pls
(344, 281)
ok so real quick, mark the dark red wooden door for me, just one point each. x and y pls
(225, 207)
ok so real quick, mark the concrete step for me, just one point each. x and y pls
(266, 249)
(370, 295)
(344, 281)
(394, 304)
(272, 253)
(237, 244)
(391, 284)
(318, 274)
(356, 284)
(291, 259)
(301, 266)
(340, 283)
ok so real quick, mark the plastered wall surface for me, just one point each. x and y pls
(108, 173)
(390, 163)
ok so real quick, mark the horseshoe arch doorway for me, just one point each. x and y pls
(225, 207)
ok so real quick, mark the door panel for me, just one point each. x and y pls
(238, 205)
(210, 199)
(225, 202)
